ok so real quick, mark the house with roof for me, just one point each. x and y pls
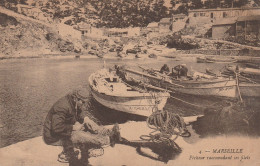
(178, 22)
(83, 28)
(164, 25)
(116, 32)
(122, 32)
(177, 17)
(206, 16)
(224, 28)
(247, 27)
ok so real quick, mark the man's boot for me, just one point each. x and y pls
(66, 157)
(84, 155)
(115, 135)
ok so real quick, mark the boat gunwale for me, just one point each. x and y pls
(147, 95)
(223, 79)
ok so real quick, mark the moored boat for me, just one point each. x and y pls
(204, 85)
(201, 60)
(248, 79)
(220, 60)
(249, 90)
(248, 59)
(245, 70)
(109, 90)
(252, 65)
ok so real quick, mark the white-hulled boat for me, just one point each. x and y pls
(109, 90)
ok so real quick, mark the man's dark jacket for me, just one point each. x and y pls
(60, 120)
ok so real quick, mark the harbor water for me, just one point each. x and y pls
(29, 87)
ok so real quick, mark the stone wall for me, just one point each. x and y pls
(227, 52)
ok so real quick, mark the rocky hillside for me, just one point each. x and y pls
(26, 37)
(123, 13)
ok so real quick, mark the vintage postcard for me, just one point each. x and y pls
(130, 82)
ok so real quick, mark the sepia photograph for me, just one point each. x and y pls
(130, 82)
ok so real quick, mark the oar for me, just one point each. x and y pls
(155, 87)
(238, 89)
(146, 68)
(247, 79)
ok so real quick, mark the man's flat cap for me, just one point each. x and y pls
(82, 93)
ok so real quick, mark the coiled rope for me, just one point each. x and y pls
(165, 125)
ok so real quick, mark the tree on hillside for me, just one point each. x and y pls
(160, 11)
(216, 3)
(228, 3)
(196, 4)
(55, 2)
(173, 4)
(257, 2)
(23, 2)
(9, 1)
(240, 3)
(213, 3)
(235, 3)
(183, 9)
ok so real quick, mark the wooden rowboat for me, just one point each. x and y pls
(201, 60)
(220, 60)
(245, 70)
(249, 89)
(110, 91)
(211, 86)
(248, 80)
(211, 59)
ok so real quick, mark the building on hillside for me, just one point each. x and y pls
(177, 17)
(122, 32)
(224, 28)
(116, 32)
(84, 28)
(247, 27)
(164, 25)
(206, 16)
(178, 22)
(152, 27)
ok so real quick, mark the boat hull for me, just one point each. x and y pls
(249, 90)
(201, 60)
(111, 92)
(223, 88)
(220, 60)
(142, 105)
(216, 87)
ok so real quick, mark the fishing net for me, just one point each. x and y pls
(235, 118)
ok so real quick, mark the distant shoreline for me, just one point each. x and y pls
(177, 54)
(48, 56)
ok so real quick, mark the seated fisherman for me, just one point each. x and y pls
(182, 70)
(165, 69)
(68, 124)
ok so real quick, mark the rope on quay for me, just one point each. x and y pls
(166, 124)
